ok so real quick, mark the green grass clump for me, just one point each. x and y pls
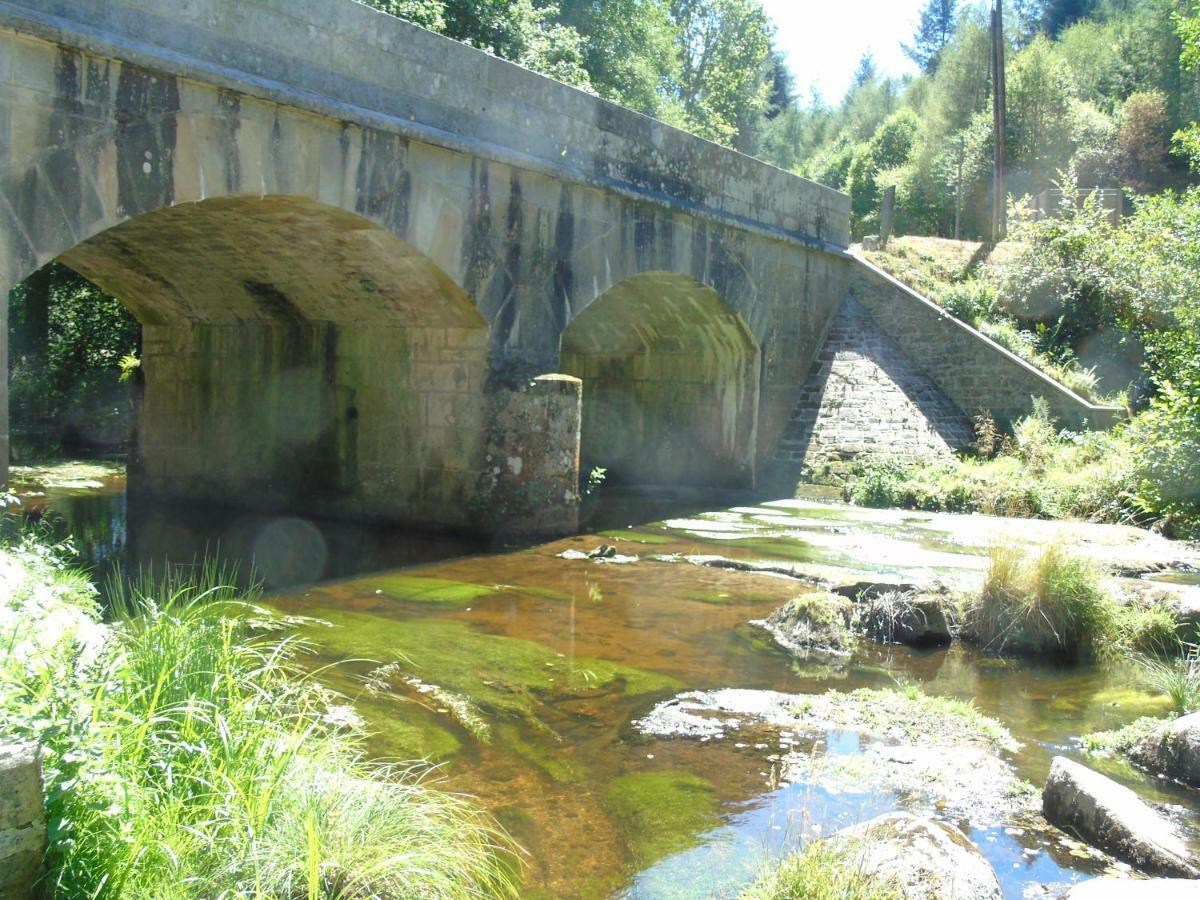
(187, 756)
(1178, 678)
(924, 718)
(1050, 604)
(1122, 740)
(822, 871)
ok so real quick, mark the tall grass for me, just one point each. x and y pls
(824, 870)
(192, 758)
(1048, 604)
(1178, 678)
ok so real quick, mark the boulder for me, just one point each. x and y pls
(1173, 750)
(816, 621)
(1113, 818)
(919, 620)
(922, 859)
(1129, 889)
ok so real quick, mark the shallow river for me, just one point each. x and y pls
(558, 656)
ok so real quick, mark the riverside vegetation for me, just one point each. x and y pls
(186, 754)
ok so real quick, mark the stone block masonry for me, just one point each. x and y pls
(348, 238)
(865, 397)
(22, 820)
(976, 373)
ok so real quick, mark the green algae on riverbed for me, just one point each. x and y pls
(661, 812)
(502, 676)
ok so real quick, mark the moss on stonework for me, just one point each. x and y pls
(661, 812)
(502, 676)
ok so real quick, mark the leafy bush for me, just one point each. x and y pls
(971, 300)
(185, 756)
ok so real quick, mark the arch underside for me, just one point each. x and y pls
(296, 356)
(670, 384)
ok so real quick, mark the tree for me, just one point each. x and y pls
(888, 148)
(629, 50)
(1187, 139)
(865, 72)
(1141, 139)
(934, 30)
(725, 48)
(1058, 14)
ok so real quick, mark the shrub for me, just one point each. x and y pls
(189, 757)
(1052, 604)
(971, 301)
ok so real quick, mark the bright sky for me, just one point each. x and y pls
(824, 39)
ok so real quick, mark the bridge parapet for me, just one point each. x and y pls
(342, 59)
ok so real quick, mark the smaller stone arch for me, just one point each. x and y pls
(670, 384)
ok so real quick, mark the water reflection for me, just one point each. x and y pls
(555, 658)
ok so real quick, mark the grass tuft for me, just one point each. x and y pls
(822, 871)
(190, 757)
(1051, 604)
(1178, 678)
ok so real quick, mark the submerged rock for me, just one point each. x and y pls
(920, 858)
(1113, 818)
(816, 621)
(1129, 889)
(938, 754)
(919, 620)
(1173, 750)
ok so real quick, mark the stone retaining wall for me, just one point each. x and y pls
(22, 820)
(865, 397)
(972, 370)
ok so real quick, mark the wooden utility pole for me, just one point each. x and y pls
(1000, 163)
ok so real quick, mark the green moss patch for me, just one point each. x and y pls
(661, 812)
(639, 537)
(418, 589)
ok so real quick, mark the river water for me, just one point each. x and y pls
(518, 672)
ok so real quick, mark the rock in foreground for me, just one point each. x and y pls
(1113, 818)
(920, 858)
(1173, 750)
(1128, 889)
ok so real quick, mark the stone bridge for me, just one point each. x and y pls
(367, 261)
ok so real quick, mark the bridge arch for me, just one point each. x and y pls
(670, 377)
(296, 356)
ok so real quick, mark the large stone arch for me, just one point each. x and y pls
(670, 383)
(318, 296)
(296, 356)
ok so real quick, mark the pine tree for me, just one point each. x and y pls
(934, 32)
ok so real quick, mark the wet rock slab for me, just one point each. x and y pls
(1173, 750)
(883, 742)
(1113, 818)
